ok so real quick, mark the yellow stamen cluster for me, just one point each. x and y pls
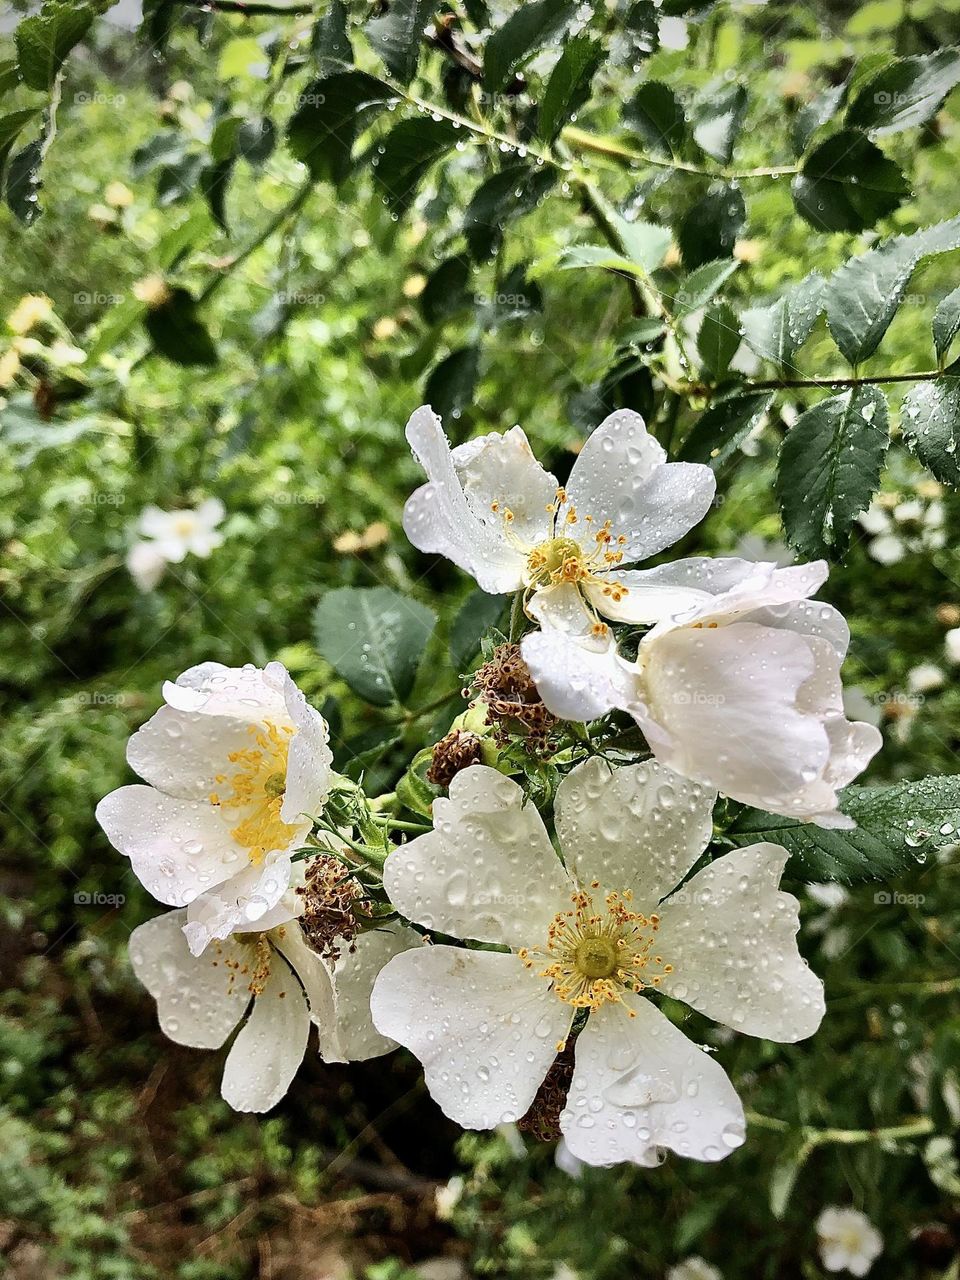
(256, 791)
(597, 955)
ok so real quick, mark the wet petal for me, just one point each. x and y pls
(270, 1045)
(249, 900)
(353, 1037)
(502, 469)
(577, 682)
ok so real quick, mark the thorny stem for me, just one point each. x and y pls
(783, 384)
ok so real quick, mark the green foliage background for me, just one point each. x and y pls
(118, 1157)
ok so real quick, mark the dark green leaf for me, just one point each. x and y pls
(701, 285)
(709, 228)
(640, 35)
(777, 331)
(10, 127)
(324, 127)
(718, 339)
(167, 148)
(397, 35)
(509, 194)
(9, 75)
(256, 139)
(830, 464)
(450, 386)
(863, 294)
(847, 183)
(657, 117)
(569, 84)
(214, 182)
(724, 426)
(178, 181)
(23, 183)
(930, 423)
(897, 827)
(44, 41)
(717, 120)
(905, 93)
(946, 323)
(814, 115)
(407, 152)
(446, 291)
(178, 333)
(478, 613)
(374, 639)
(526, 31)
(515, 297)
(331, 37)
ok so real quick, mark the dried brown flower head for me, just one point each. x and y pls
(331, 900)
(513, 703)
(542, 1120)
(455, 751)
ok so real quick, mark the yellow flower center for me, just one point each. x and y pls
(256, 791)
(598, 953)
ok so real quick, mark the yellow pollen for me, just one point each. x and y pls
(256, 792)
(598, 952)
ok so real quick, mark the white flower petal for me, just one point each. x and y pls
(562, 608)
(177, 848)
(485, 1028)
(577, 682)
(313, 972)
(250, 900)
(730, 935)
(721, 707)
(199, 1000)
(640, 1084)
(270, 1045)
(640, 827)
(183, 752)
(734, 589)
(146, 564)
(810, 618)
(502, 469)
(439, 519)
(309, 758)
(679, 588)
(353, 1037)
(242, 693)
(487, 870)
(621, 475)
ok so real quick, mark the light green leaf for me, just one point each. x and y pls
(701, 285)
(897, 828)
(44, 41)
(373, 638)
(862, 296)
(719, 338)
(905, 93)
(930, 424)
(830, 464)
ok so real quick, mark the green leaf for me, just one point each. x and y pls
(9, 75)
(776, 332)
(863, 295)
(23, 183)
(324, 127)
(724, 426)
(505, 196)
(847, 183)
(214, 183)
(177, 331)
(830, 464)
(905, 93)
(10, 128)
(527, 29)
(569, 84)
(478, 613)
(407, 153)
(717, 120)
(374, 639)
(639, 36)
(814, 115)
(897, 827)
(256, 139)
(446, 291)
(946, 323)
(930, 424)
(451, 384)
(44, 41)
(331, 37)
(644, 243)
(709, 228)
(657, 116)
(163, 149)
(718, 339)
(701, 285)
(396, 37)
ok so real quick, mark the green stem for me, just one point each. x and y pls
(516, 617)
(286, 211)
(813, 1137)
(580, 140)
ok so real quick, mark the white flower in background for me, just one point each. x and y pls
(592, 934)
(739, 689)
(274, 981)
(898, 529)
(566, 1161)
(233, 762)
(447, 1197)
(926, 677)
(951, 644)
(857, 705)
(492, 509)
(848, 1241)
(168, 537)
(694, 1268)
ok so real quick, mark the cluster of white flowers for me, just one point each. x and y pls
(168, 537)
(898, 527)
(735, 685)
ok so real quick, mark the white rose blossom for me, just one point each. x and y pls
(273, 982)
(848, 1241)
(233, 763)
(737, 686)
(168, 537)
(492, 509)
(593, 933)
